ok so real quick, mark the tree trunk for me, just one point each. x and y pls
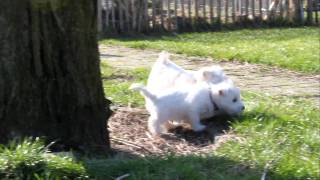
(50, 81)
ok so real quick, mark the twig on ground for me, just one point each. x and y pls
(122, 177)
(265, 170)
(264, 174)
(149, 135)
(128, 143)
(134, 110)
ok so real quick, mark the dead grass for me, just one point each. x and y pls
(128, 132)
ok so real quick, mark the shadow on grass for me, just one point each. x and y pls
(271, 34)
(174, 167)
(105, 55)
(215, 127)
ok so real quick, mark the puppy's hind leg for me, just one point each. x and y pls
(154, 125)
(195, 123)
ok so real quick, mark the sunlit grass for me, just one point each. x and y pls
(280, 134)
(171, 167)
(30, 159)
(117, 82)
(292, 48)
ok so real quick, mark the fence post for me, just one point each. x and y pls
(281, 8)
(134, 19)
(140, 14)
(226, 12)
(169, 15)
(99, 15)
(176, 13)
(161, 15)
(253, 8)
(120, 16)
(233, 4)
(126, 14)
(153, 14)
(196, 5)
(211, 11)
(219, 11)
(296, 12)
(146, 16)
(107, 14)
(190, 13)
(300, 13)
(273, 9)
(113, 16)
(247, 8)
(240, 10)
(267, 8)
(204, 10)
(288, 13)
(316, 13)
(260, 10)
(183, 14)
(309, 11)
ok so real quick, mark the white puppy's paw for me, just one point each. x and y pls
(136, 86)
(154, 126)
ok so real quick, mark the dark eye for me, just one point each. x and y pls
(234, 100)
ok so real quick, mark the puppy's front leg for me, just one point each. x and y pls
(195, 123)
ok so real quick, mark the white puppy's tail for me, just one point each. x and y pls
(164, 57)
(144, 91)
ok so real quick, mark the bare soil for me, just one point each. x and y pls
(128, 132)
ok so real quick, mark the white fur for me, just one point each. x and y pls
(229, 100)
(188, 104)
(166, 74)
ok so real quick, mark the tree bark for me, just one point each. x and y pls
(50, 81)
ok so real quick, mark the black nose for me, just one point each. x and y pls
(243, 108)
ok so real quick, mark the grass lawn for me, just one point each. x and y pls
(30, 159)
(292, 48)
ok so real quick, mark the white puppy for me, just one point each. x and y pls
(166, 74)
(189, 104)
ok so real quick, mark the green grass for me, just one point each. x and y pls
(30, 159)
(292, 48)
(172, 167)
(117, 82)
(282, 132)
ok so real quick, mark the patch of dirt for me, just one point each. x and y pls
(119, 77)
(128, 132)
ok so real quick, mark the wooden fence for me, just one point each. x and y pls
(187, 15)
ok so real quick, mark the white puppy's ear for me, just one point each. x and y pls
(203, 75)
(221, 92)
(164, 57)
(206, 75)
